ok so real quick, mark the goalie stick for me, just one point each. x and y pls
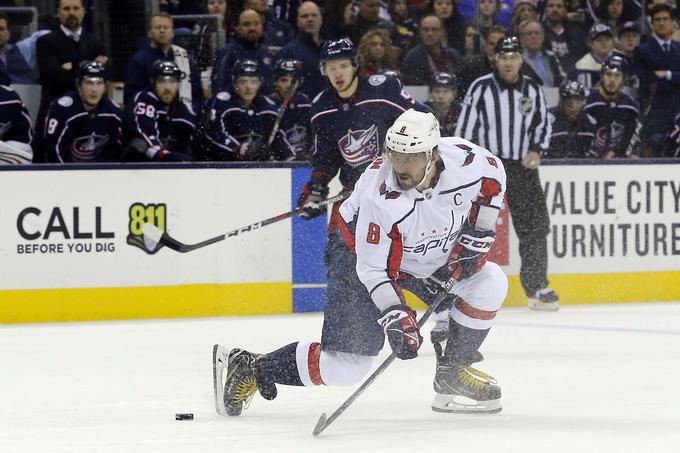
(152, 233)
(324, 421)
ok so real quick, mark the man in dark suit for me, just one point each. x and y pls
(59, 53)
(658, 62)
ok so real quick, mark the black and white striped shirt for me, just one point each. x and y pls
(508, 120)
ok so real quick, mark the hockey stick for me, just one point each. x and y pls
(324, 421)
(282, 110)
(635, 138)
(154, 234)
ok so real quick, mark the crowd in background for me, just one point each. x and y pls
(225, 104)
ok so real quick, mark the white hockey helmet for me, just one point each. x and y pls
(413, 132)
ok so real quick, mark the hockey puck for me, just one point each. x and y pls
(184, 416)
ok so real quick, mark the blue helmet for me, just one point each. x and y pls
(245, 68)
(288, 67)
(88, 68)
(614, 62)
(339, 49)
(572, 88)
(446, 80)
(163, 68)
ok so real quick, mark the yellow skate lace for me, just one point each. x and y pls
(245, 391)
(471, 376)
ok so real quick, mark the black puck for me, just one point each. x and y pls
(184, 416)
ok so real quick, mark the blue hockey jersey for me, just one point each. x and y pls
(229, 125)
(348, 134)
(162, 127)
(73, 134)
(608, 125)
(295, 124)
(15, 128)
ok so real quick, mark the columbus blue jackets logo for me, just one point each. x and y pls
(296, 136)
(361, 146)
(387, 193)
(88, 147)
(4, 127)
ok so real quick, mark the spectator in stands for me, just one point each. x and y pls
(59, 53)
(523, 10)
(84, 125)
(473, 42)
(443, 94)
(676, 19)
(563, 37)
(277, 33)
(405, 23)
(430, 56)
(565, 140)
(540, 64)
(295, 123)
(658, 62)
(241, 121)
(475, 66)
(160, 47)
(376, 53)
(615, 12)
(629, 39)
(368, 17)
(15, 134)
(452, 21)
(18, 60)
(158, 126)
(306, 47)
(338, 16)
(487, 13)
(587, 69)
(247, 45)
(610, 116)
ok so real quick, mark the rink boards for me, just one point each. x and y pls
(70, 245)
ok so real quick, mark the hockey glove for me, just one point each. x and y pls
(314, 192)
(470, 253)
(256, 150)
(402, 331)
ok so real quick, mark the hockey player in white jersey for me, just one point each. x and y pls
(420, 215)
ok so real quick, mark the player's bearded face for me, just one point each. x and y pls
(340, 73)
(91, 90)
(612, 81)
(283, 84)
(572, 106)
(409, 169)
(166, 89)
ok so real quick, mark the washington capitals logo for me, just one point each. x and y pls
(360, 146)
(88, 147)
(387, 193)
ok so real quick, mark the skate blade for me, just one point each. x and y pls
(219, 363)
(542, 306)
(458, 404)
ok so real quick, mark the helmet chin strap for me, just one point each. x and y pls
(428, 169)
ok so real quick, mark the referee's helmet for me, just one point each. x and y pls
(509, 44)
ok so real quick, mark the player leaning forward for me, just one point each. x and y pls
(426, 211)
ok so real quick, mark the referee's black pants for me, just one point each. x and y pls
(530, 218)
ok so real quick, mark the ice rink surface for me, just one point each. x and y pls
(585, 379)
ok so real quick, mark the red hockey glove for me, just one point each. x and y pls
(402, 331)
(470, 253)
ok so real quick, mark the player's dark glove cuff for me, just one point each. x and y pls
(315, 190)
(257, 150)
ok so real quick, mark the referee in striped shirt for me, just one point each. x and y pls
(506, 113)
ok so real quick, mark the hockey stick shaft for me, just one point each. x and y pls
(282, 111)
(636, 137)
(324, 421)
(172, 243)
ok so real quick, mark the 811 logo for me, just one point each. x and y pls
(140, 213)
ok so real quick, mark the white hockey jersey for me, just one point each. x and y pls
(412, 231)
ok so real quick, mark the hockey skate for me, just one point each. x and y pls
(235, 393)
(545, 300)
(465, 390)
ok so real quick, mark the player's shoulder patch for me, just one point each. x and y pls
(65, 101)
(376, 80)
(223, 96)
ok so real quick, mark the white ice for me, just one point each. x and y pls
(585, 379)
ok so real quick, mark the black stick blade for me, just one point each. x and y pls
(320, 425)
